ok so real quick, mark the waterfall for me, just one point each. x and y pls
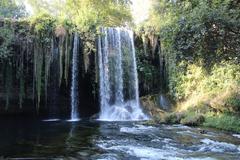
(119, 96)
(74, 83)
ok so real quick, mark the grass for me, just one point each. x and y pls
(223, 121)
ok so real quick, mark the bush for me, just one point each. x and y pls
(218, 89)
(6, 39)
(192, 119)
(173, 118)
(223, 121)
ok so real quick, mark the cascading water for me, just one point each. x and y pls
(118, 76)
(75, 76)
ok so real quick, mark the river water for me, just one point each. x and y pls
(35, 139)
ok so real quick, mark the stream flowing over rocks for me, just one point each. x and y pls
(113, 141)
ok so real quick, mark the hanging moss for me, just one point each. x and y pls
(38, 66)
(21, 78)
(68, 45)
(61, 54)
(144, 44)
(43, 27)
(6, 38)
(21, 91)
(47, 62)
(8, 83)
(88, 47)
(32, 50)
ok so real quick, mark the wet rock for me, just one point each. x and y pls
(149, 122)
(84, 154)
(164, 102)
(95, 116)
(203, 131)
(151, 107)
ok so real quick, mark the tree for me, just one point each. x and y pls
(204, 33)
(86, 14)
(9, 9)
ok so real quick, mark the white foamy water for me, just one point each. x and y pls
(50, 120)
(138, 141)
(187, 132)
(118, 68)
(73, 120)
(149, 153)
(236, 135)
(215, 146)
(144, 152)
(138, 129)
(108, 157)
(178, 126)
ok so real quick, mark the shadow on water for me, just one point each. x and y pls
(27, 138)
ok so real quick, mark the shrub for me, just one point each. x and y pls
(193, 119)
(219, 89)
(223, 121)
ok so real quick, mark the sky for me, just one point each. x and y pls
(28, 7)
(140, 9)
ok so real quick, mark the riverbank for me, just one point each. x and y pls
(202, 116)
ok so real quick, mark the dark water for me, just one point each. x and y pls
(28, 139)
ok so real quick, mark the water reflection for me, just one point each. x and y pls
(24, 138)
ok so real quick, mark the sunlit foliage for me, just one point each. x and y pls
(86, 14)
(200, 41)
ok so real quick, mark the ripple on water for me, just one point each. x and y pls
(138, 129)
(177, 126)
(108, 156)
(188, 132)
(144, 152)
(205, 158)
(149, 153)
(161, 143)
(215, 146)
(164, 140)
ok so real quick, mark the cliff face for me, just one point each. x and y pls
(35, 74)
(151, 64)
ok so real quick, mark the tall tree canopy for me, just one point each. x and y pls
(86, 13)
(9, 9)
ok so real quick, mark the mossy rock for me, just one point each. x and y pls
(151, 107)
(193, 120)
(151, 122)
(173, 118)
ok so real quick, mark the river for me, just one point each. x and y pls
(86, 139)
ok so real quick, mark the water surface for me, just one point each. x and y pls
(28, 139)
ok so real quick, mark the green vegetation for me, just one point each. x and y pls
(86, 14)
(218, 89)
(224, 121)
(196, 42)
(200, 41)
(9, 9)
(6, 39)
(51, 24)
